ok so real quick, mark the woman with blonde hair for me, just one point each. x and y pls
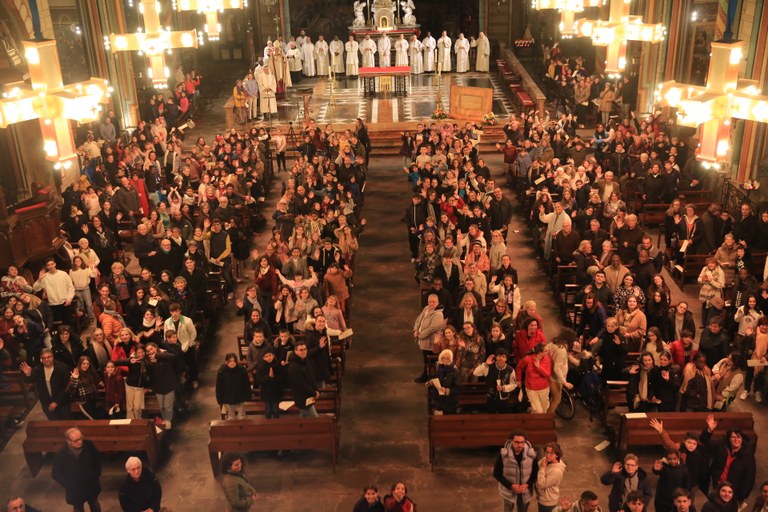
(712, 280)
(468, 311)
(333, 314)
(443, 388)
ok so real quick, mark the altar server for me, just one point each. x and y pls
(444, 52)
(462, 54)
(401, 51)
(429, 44)
(385, 46)
(308, 57)
(415, 53)
(321, 50)
(352, 59)
(368, 49)
(337, 55)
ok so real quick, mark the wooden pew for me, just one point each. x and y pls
(329, 402)
(689, 268)
(476, 430)
(614, 395)
(636, 431)
(256, 434)
(14, 386)
(471, 394)
(135, 436)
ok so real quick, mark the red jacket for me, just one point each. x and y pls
(534, 378)
(523, 345)
(678, 353)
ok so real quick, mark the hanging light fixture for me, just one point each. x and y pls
(52, 102)
(211, 9)
(154, 42)
(568, 10)
(711, 107)
(617, 31)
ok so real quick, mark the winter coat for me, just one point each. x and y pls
(670, 478)
(741, 472)
(617, 495)
(232, 385)
(270, 388)
(139, 496)
(507, 471)
(301, 380)
(428, 323)
(79, 475)
(238, 490)
(535, 377)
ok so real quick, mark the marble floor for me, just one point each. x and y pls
(343, 101)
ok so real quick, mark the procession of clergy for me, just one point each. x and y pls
(300, 56)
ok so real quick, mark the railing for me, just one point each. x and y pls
(734, 197)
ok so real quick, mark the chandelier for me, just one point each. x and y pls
(154, 42)
(52, 102)
(211, 9)
(711, 107)
(617, 31)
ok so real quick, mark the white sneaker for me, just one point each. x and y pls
(744, 395)
(758, 397)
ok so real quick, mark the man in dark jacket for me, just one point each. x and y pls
(302, 382)
(77, 467)
(624, 478)
(414, 218)
(140, 490)
(51, 379)
(733, 459)
(500, 211)
(162, 378)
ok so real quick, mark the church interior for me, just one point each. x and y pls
(694, 71)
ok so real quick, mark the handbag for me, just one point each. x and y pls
(707, 292)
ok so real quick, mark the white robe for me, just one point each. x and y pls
(308, 56)
(483, 53)
(368, 49)
(293, 56)
(336, 48)
(267, 88)
(401, 52)
(462, 55)
(321, 50)
(429, 44)
(416, 60)
(352, 59)
(385, 46)
(444, 53)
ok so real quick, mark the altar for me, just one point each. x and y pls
(394, 18)
(392, 79)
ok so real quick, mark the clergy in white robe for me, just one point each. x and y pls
(267, 51)
(461, 47)
(385, 46)
(293, 56)
(337, 55)
(267, 88)
(414, 50)
(368, 49)
(483, 53)
(279, 67)
(352, 49)
(429, 44)
(401, 51)
(444, 52)
(308, 57)
(301, 39)
(321, 50)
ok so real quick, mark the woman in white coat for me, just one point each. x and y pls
(549, 477)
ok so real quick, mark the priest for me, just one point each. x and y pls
(293, 56)
(414, 51)
(461, 47)
(308, 57)
(267, 89)
(401, 51)
(368, 49)
(321, 50)
(385, 46)
(353, 64)
(429, 44)
(444, 53)
(483, 53)
(337, 55)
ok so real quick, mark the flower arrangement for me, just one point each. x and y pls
(489, 118)
(439, 113)
(750, 185)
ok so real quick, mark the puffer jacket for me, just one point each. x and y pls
(507, 471)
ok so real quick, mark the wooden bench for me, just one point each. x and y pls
(256, 434)
(133, 436)
(471, 395)
(689, 268)
(478, 430)
(636, 431)
(614, 395)
(524, 100)
(13, 386)
(329, 402)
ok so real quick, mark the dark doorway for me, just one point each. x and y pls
(454, 17)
